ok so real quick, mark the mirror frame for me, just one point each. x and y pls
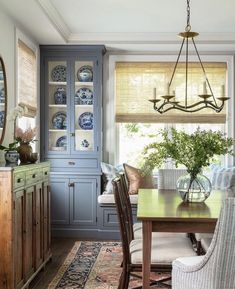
(5, 91)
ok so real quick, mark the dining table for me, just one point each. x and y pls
(164, 211)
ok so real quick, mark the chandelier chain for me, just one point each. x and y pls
(188, 27)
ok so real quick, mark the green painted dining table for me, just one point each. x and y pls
(164, 211)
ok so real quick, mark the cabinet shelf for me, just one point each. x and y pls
(57, 83)
(57, 130)
(84, 105)
(84, 130)
(57, 105)
(80, 83)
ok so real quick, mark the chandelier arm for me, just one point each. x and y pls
(177, 61)
(188, 110)
(204, 72)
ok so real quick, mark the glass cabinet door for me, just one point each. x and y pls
(84, 106)
(57, 106)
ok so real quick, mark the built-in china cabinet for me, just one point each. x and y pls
(71, 134)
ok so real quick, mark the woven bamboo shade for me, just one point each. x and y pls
(135, 82)
(27, 78)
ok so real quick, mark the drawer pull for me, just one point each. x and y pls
(46, 173)
(71, 184)
(34, 176)
(19, 180)
(71, 163)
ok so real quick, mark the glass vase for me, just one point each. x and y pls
(194, 189)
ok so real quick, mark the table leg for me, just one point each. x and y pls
(147, 238)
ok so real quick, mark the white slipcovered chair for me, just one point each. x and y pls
(167, 178)
(216, 269)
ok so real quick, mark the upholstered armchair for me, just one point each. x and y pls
(216, 269)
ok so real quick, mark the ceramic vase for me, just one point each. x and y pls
(25, 151)
(12, 157)
(194, 188)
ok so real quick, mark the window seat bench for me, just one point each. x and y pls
(107, 216)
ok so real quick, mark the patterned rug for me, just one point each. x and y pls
(94, 265)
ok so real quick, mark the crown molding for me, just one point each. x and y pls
(148, 38)
(55, 18)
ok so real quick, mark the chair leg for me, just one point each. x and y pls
(124, 279)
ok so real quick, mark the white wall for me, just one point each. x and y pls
(8, 35)
(7, 52)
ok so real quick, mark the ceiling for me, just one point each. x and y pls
(133, 25)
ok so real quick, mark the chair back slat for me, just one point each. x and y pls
(123, 219)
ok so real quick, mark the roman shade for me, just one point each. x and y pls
(135, 82)
(27, 78)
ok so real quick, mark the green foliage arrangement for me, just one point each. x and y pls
(11, 147)
(194, 151)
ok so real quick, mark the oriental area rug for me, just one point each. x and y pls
(94, 265)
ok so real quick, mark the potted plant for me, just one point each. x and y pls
(194, 151)
(24, 138)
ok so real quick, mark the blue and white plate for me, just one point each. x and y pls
(84, 96)
(2, 118)
(85, 73)
(85, 120)
(59, 120)
(58, 73)
(62, 141)
(60, 96)
(2, 95)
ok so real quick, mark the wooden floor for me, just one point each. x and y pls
(60, 248)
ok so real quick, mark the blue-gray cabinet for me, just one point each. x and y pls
(71, 134)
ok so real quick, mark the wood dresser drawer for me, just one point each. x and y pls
(33, 176)
(45, 172)
(19, 180)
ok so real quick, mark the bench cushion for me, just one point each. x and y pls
(109, 199)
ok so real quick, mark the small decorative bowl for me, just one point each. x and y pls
(33, 157)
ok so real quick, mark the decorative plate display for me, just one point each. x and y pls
(59, 120)
(2, 95)
(60, 96)
(84, 96)
(62, 141)
(85, 73)
(85, 120)
(2, 118)
(58, 73)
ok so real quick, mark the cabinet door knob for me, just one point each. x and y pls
(34, 176)
(71, 184)
(19, 180)
(72, 134)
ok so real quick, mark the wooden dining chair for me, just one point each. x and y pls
(164, 250)
(136, 227)
(216, 269)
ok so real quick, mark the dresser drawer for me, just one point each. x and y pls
(19, 180)
(33, 176)
(45, 173)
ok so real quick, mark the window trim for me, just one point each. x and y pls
(110, 126)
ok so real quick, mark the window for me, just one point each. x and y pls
(138, 123)
(27, 84)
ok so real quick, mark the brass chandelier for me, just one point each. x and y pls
(207, 100)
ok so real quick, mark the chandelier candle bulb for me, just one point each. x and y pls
(154, 93)
(167, 88)
(204, 88)
(222, 90)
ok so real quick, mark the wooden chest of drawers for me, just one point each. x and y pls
(24, 222)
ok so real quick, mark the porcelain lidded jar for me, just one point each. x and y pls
(12, 156)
